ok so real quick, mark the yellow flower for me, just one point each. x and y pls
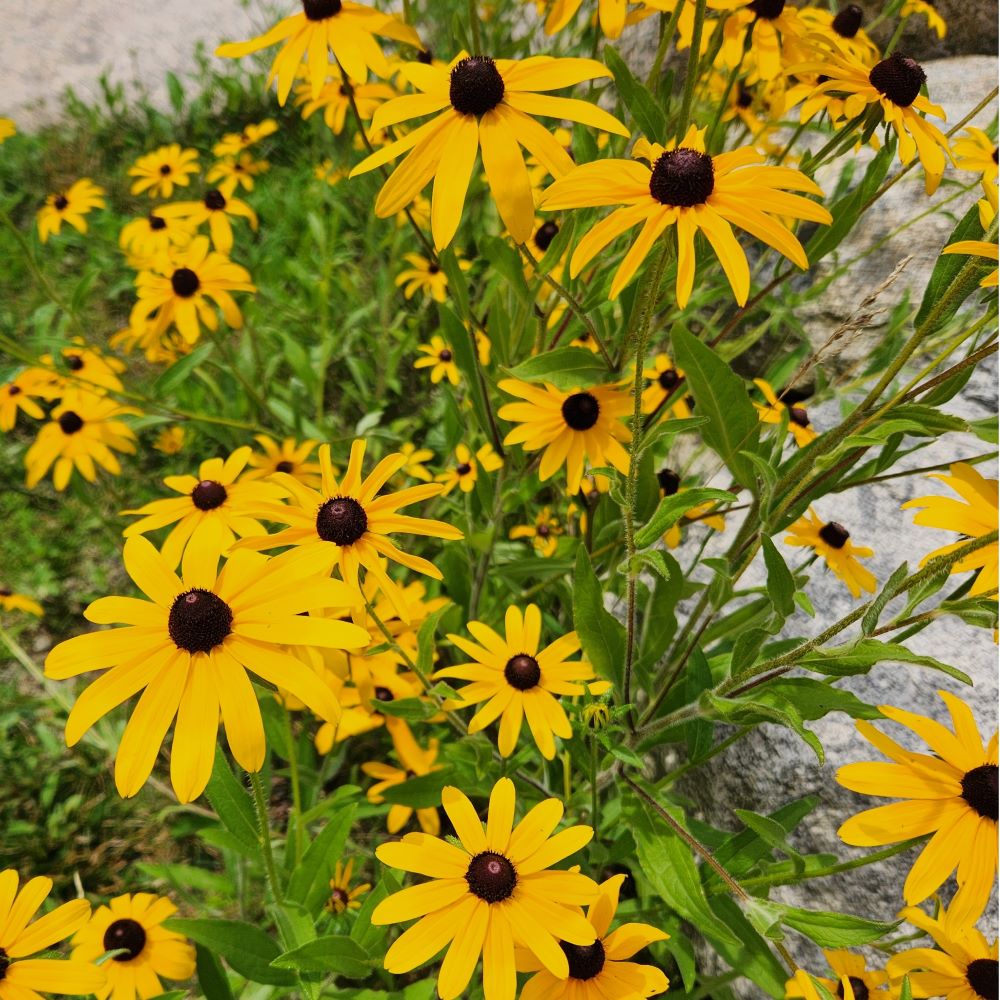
(687, 188)
(415, 458)
(934, 20)
(15, 396)
(235, 143)
(600, 970)
(466, 470)
(344, 28)
(69, 206)
(133, 925)
(518, 681)
(842, 29)
(157, 173)
(951, 793)
(211, 509)
(976, 152)
(335, 101)
(147, 242)
(496, 885)
(833, 542)
(351, 522)
(583, 423)
(82, 433)
(9, 601)
(980, 248)
(7, 129)
(854, 980)
(426, 276)
(20, 937)
(342, 896)
(544, 533)
(181, 297)
(290, 456)
(236, 171)
(483, 104)
(170, 440)
(773, 27)
(416, 763)
(799, 425)
(610, 15)
(439, 358)
(215, 209)
(86, 364)
(664, 379)
(973, 518)
(188, 647)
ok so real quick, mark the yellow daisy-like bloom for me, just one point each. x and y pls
(69, 206)
(290, 456)
(236, 171)
(210, 511)
(544, 533)
(977, 152)
(10, 601)
(84, 431)
(466, 469)
(335, 101)
(833, 542)
(439, 358)
(159, 172)
(664, 378)
(339, 26)
(494, 887)
(342, 896)
(352, 522)
(7, 129)
(20, 937)
(583, 423)
(843, 29)
(951, 793)
(774, 26)
(518, 681)
(426, 276)
(894, 85)
(215, 209)
(854, 980)
(234, 143)
(799, 425)
(980, 248)
(484, 104)
(132, 925)
(147, 242)
(965, 967)
(181, 296)
(170, 440)
(415, 459)
(600, 970)
(610, 15)
(972, 516)
(416, 763)
(87, 364)
(16, 396)
(687, 188)
(934, 20)
(189, 646)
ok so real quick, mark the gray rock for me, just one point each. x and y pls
(972, 29)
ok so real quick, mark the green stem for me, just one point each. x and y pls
(691, 77)
(296, 781)
(595, 810)
(667, 28)
(477, 42)
(264, 824)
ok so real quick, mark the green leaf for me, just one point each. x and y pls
(211, 976)
(602, 636)
(565, 368)
(309, 882)
(720, 395)
(780, 582)
(835, 930)
(419, 793)
(410, 709)
(870, 621)
(179, 372)
(460, 341)
(247, 949)
(231, 800)
(367, 935)
(425, 640)
(747, 712)
(860, 656)
(813, 699)
(175, 91)
(671, 509)
(640, 102)
(771, 832)
(334, 953)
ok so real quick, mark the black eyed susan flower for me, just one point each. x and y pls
(351, 522)
(497, 886)
(425, 276)
(518, 681)
(851, 979)
(964, 965)
(236, 171)
(209, 510)
(133, 926)
(235, 143)
(416, 762)
(18, 396)
(159, 172)
(927, 10)
(664, 379)
(170, 441)
(83, 363)
(833, 542)
(980, 248)
(70, 206)
(487, 104)
(465, 471)
(415, 459)
(290, 456)
(610, 15)
(339, 26)
(188, 647)
(775, 29)
(7, 129)
(215, 208)
(843, 29)
(974, 515)
(977, 152)
(11, 601)
(687, 188)
(439, 357)
(343, 896)
(83, 432)
(22, 977)
(544, 533)
(600, 970)
(951, 793)
(572, 426)
(181, 296)
(148, 242)
(334, 101)
(799, 424)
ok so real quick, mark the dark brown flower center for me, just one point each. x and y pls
(744, 98)
(433, 268)
(798, 415)
(165, 169)
(61, 203)
(768, 9)
(585, 960)
(70, 422)
(425, 56)
(669, 482)
(996, 155)
(341, 520)
(580, 411)
(543, 531)
(982, 976)
(339, 898)
(284, 466)
(682, 177)
(522, 672)
(6, 592)
(545, 234)
(185, 282)
(156, 223)
(668, 379)
(464, 469)
(476, 85)
(383, 694)
(215, 200)
(899, 78)
(74, 362)
(320, 10)
(208, 495)
(847, 24)
(199, 620)
(979, 789)
(835, 535)
(445, 355)
(858, 988)
(14, 390)
(4, 965)
(125, 934)
(491, 877)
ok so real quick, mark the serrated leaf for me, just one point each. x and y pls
(565, 368)
(245, 947)
(870, 621)
(836, 930)
(671, 509)
(602, 636)
(231, 801)
(860, 656)
(780, 582)
(419, 793)
(334, 953)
